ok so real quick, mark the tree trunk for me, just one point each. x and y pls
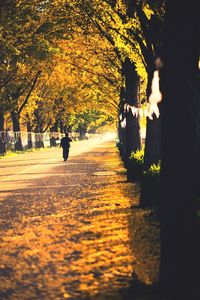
(152, 153)
(180, 263)
(82, 132)
(2, 133)
(29, 128)
(133, 140)
(39, 137)
(52, 139)
(121, 138)
(61, 126)
(55, 127)
(121, 130)
(16, 129)
(132, 129)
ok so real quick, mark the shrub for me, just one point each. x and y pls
(135, 166)
(138, 157)
(149, 180)
(154, 170)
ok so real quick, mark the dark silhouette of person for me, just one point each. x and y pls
(65, 144)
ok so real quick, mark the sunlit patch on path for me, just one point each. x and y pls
(74, 234)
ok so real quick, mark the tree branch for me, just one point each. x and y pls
(30, 91)
(8, 78)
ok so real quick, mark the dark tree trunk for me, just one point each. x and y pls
(51, 137)
(153, 132)
(54, 128)
(29, 128)
(61, 126)
(121, 136)
(2, 133)
(133, 140)
(121, 130)
(82, 132)
(16, 129)
(152, 142)
(38, 131)
(180, 263)
(123, 142)
(39, 137)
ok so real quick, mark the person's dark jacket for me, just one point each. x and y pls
(65, 142)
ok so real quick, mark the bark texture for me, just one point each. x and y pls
(179, 182)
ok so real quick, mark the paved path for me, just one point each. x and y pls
(72, 230)
(19, 171)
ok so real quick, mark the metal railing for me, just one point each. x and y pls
(32, 139)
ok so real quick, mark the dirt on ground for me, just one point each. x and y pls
(79, 233)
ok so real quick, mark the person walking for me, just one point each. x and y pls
(65, 144)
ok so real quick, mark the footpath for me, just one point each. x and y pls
(78, 233)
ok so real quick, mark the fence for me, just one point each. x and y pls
(32, 139)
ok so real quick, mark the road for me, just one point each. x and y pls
(67, 227)
(19, 171)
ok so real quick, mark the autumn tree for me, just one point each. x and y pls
(110, 22)
(29, 35)
(78, 81)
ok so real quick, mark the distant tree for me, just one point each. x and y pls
(29, 32)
